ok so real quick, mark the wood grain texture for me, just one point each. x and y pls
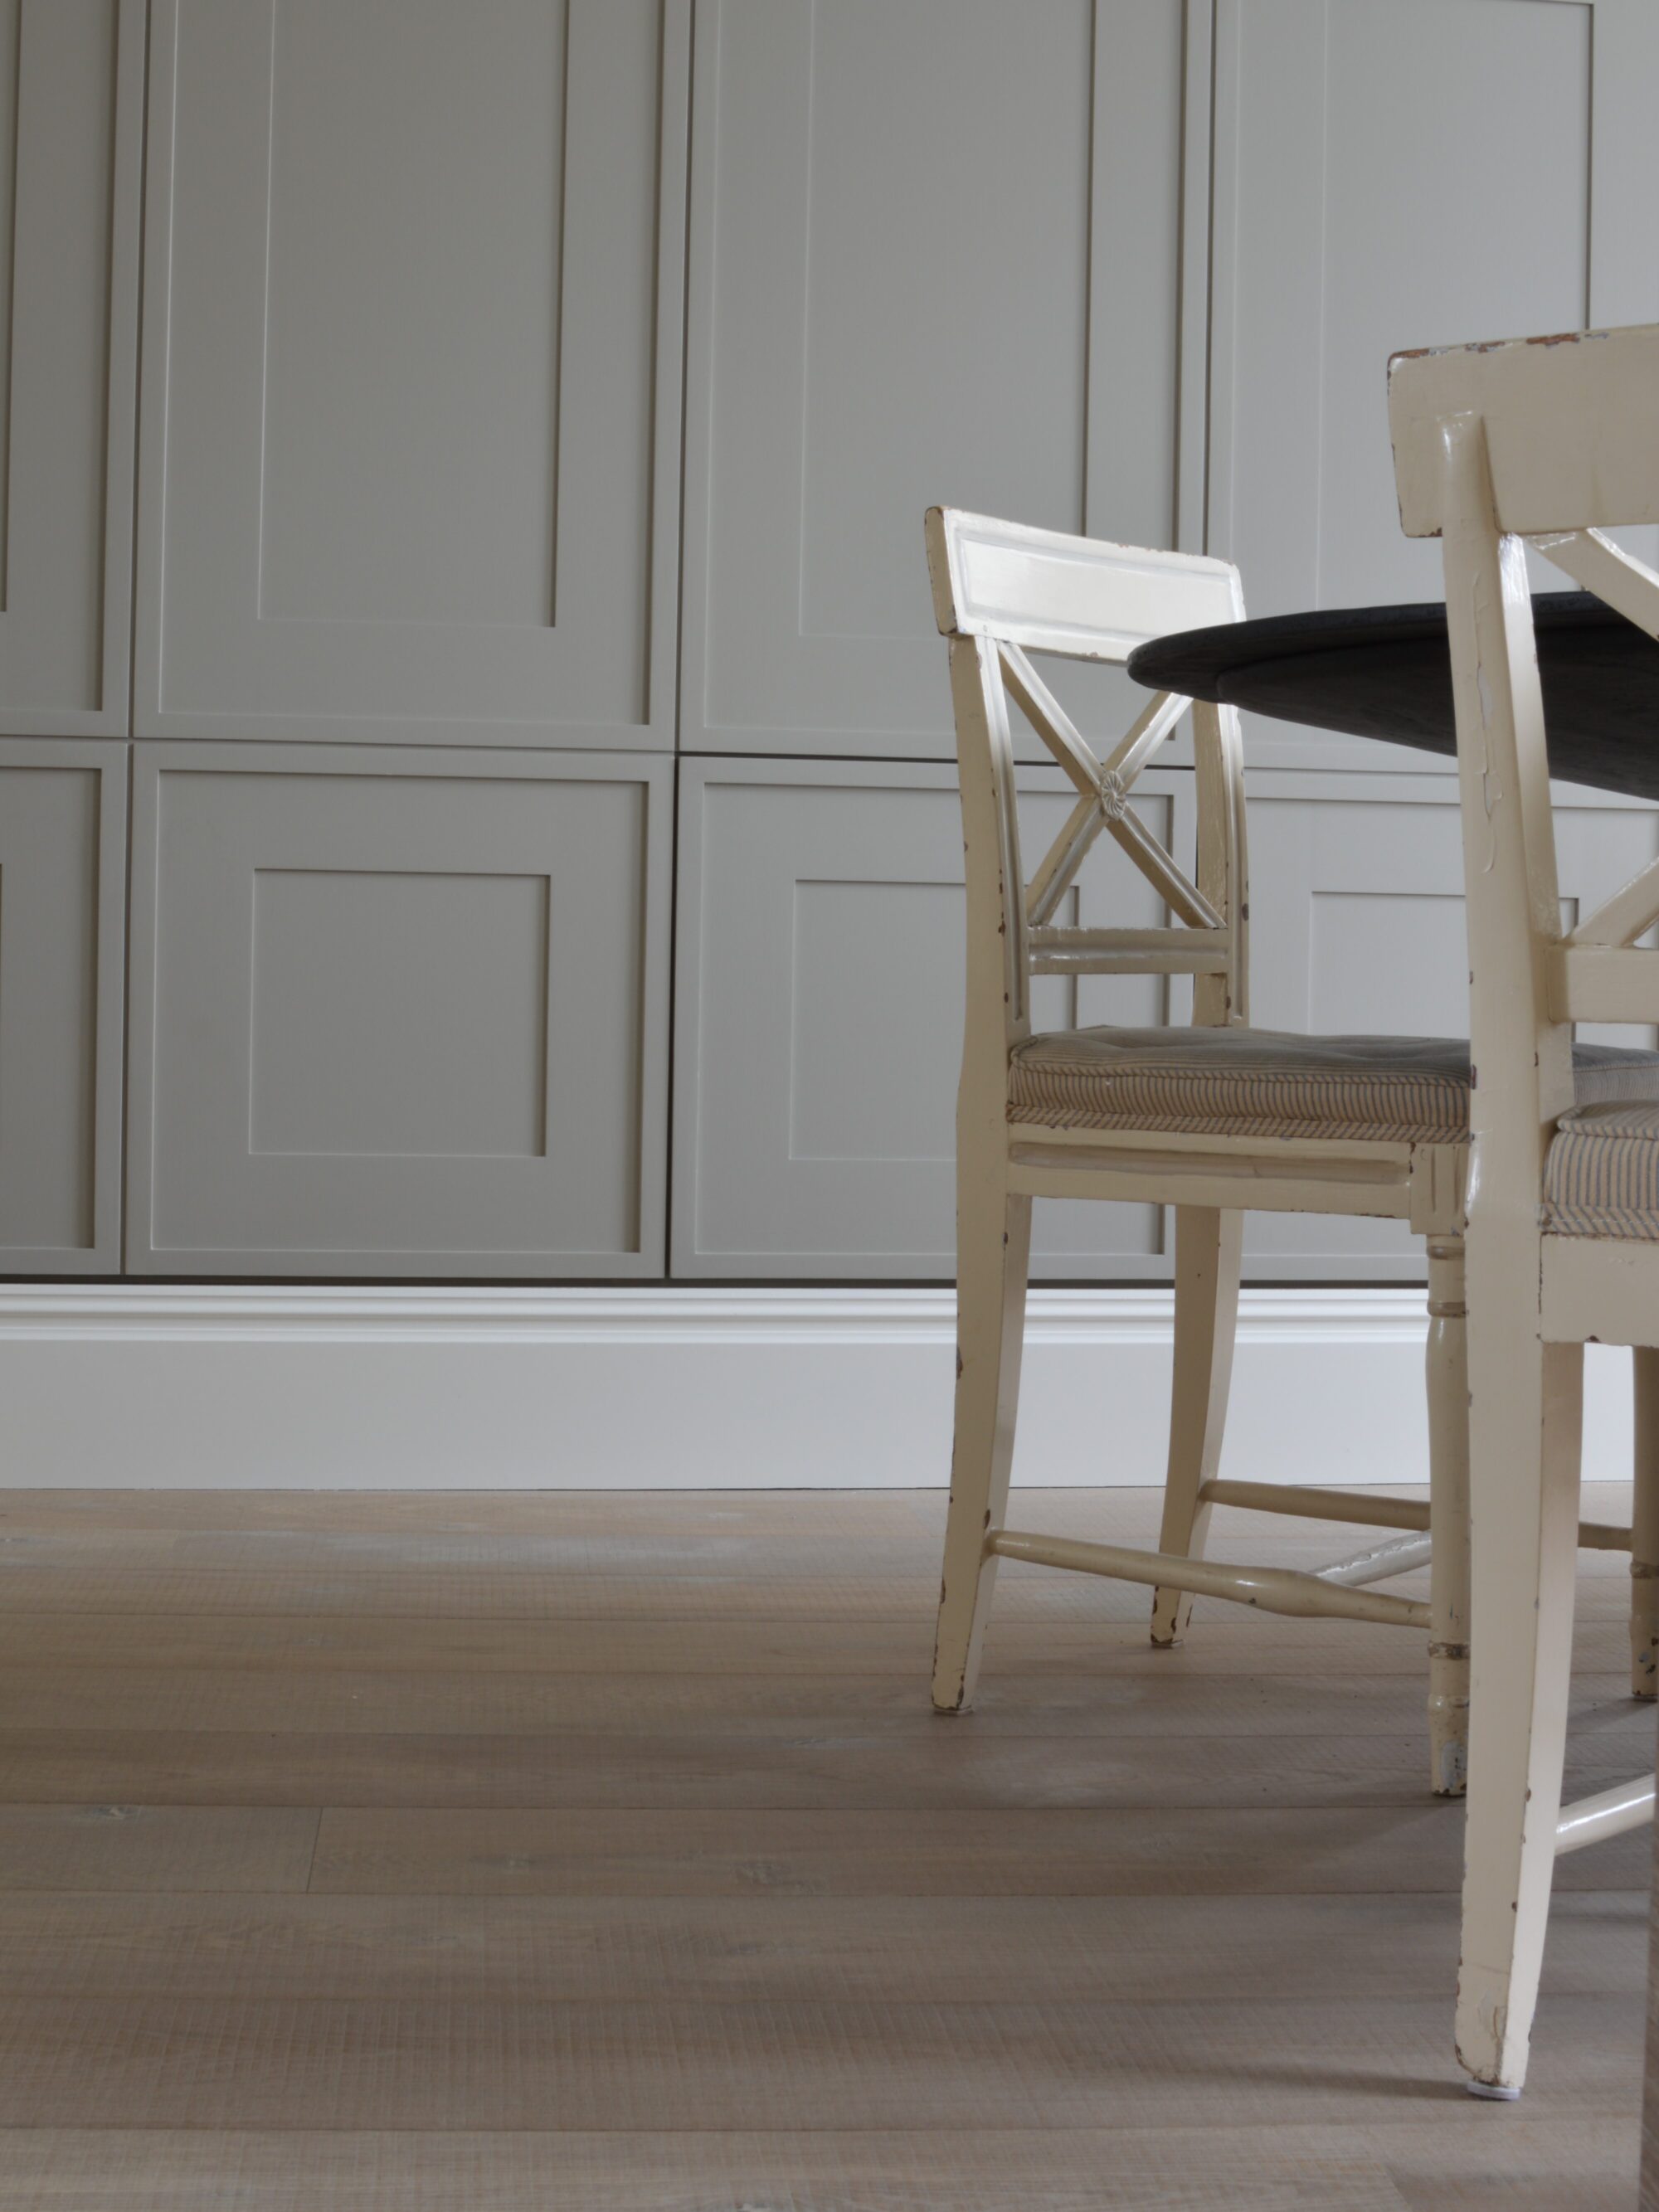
(962, 2170)
(961, 1773)
(938, 1950)
(452, 1873)
(165, 1644)
(155, 1847)
(1164, 1702)
(1523, 2167)
(355, 2062)
(1060, 1851)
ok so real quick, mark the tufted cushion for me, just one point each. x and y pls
(1272, 1082)
(1601, 1178)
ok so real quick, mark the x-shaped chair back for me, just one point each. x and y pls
(1003, 591)
(1532, 442)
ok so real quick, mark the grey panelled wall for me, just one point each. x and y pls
(63, 876)
(412, 315)
(71, 134)
(399, 1012)
(442, 307)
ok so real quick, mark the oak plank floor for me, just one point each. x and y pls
(598, 1854)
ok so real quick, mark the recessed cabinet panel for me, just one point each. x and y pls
(63, 827)
(398, 1013)
(935, 258)
(819, 1036)
(1356, 926)
(413, 318)
(71, 128)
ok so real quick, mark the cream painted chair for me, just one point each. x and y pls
(1538, 441)
(1210, 1119)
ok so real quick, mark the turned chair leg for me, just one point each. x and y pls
(993, 1241)
(1448, 1379)
(1528, 1407)
(1644, 1529)
(1207, 1254)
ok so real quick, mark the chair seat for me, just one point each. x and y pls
(1601, 1177)
(1274, 1083)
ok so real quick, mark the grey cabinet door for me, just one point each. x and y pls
(63, 918)
(935, 258)
(398, 1013)
(1422, 172)
(413, 289)
(1357, 925)
(71, 130)
(818, 1019)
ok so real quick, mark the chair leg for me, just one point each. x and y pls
(1207, 1250)
(1447, 1381)
(1644, 1530)
(993, 1240)
(1525, 1436)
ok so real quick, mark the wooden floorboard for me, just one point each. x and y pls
(1516, 2165)
(599, 1854)
(947, 1769)
(1058, 1852)
(1172, 1698)
(360, 2063)
(1023, 1651)
(948, 1950)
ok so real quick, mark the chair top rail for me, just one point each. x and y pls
(1083, 597)
(1572, 429)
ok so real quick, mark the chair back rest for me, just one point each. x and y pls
(1003, 591)
(1539, 441)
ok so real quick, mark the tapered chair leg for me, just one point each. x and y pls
(1447, 1375)
(993, 1243)
(1527, 1400)
(1644, 1529)
(1207, 1253)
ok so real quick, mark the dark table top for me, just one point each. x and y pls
(1386, 672)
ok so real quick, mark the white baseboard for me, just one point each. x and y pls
(294, 1387)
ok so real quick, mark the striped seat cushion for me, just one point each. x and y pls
(1601, 1178)
(1272, 1082)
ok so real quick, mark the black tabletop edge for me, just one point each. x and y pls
(1197, 663)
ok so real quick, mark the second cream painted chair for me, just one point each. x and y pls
(1211, 1120)
(1544, 441)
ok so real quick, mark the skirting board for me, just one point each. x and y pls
(295, 1387)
